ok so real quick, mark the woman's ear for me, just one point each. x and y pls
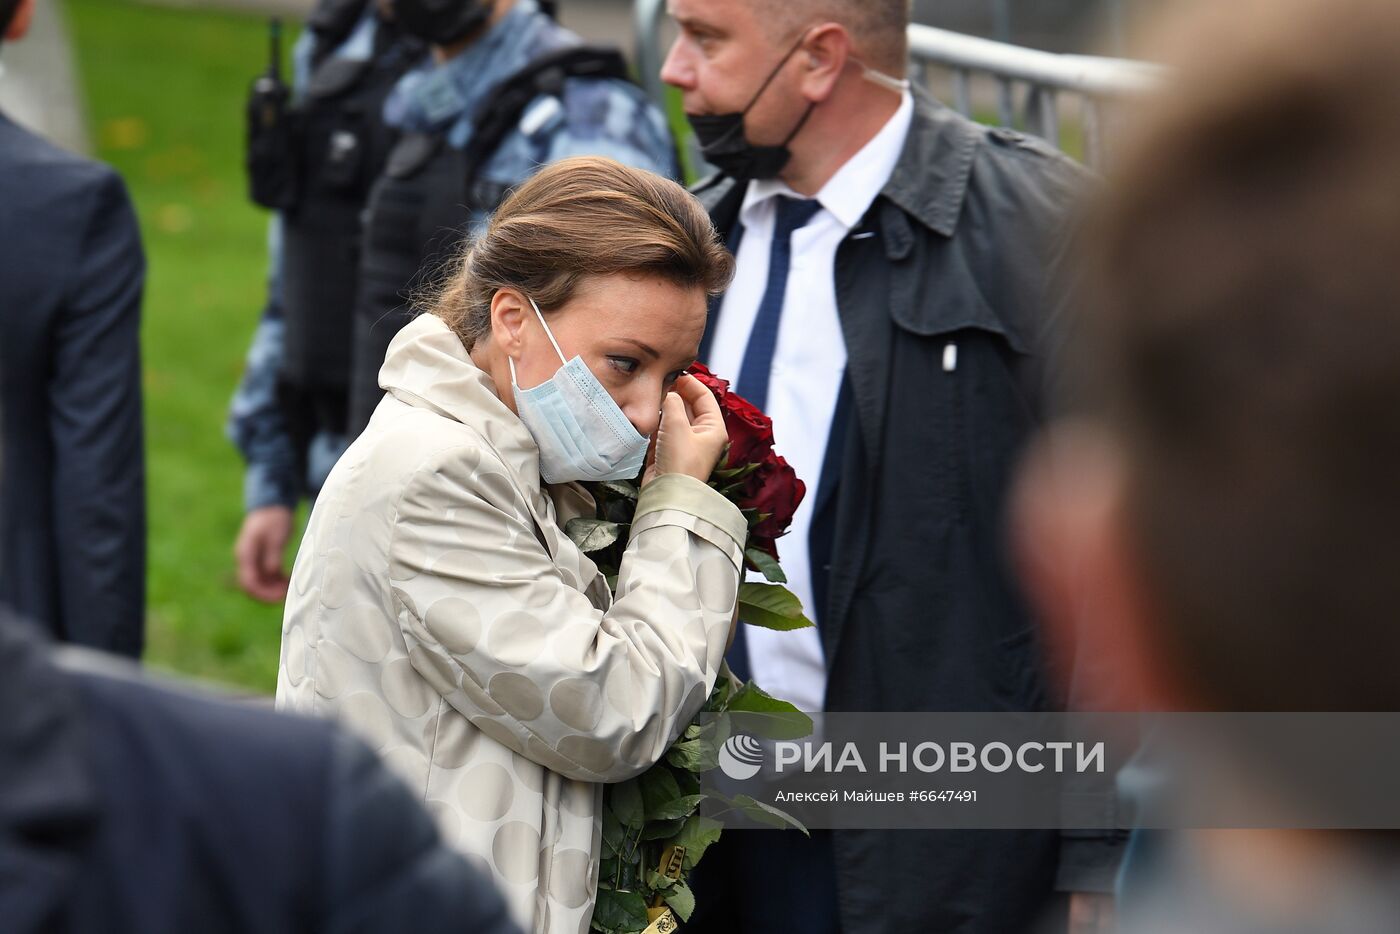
(824, 56)
(508, 311)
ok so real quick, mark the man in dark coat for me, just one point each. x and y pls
(73, 546)
(129, 807)
(901, 363)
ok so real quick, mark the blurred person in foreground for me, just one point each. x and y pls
(504, 91)
(1218, 516)
(74, 500)
(891, 309)
(130, 806)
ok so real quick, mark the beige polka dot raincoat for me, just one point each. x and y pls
(438, 608)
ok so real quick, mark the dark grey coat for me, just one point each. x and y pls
(127, 807)
(72, 467)
(916, 601)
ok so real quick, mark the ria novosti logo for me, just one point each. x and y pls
(741, 757)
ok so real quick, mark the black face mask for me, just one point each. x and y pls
(723, 143)
(441, 22)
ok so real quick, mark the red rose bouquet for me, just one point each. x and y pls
(762, 484)
(653, 833)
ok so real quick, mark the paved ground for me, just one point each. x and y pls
(39, 88)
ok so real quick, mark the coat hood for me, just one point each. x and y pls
(428, 368)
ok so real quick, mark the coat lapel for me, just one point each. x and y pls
(877, 284)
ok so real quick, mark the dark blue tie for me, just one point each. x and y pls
(758, 356)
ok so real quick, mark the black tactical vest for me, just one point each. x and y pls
(343, 144)
(420, 209)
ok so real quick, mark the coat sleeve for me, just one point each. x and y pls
(510, 639)
(96, 429)
(255, 422)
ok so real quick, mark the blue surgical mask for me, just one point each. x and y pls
(581, 433)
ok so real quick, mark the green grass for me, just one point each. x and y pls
(164, 90)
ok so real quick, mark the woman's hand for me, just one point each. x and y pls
(692, 435)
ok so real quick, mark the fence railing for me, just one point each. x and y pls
(1031, 87)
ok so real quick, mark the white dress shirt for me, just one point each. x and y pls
(808, 364)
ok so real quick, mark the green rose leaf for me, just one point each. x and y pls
(683, 806)
(657, 882)
(719, 697)
(681, 900)
(626, 800)
(730, 474)
(771, 606)
(662, 829)
(607, 870)
(766, 564)
(621, 488)
(764, 715)
(658, 787)
(695, 755)
(620, 912)
(696, 836)
(689, 783)
(767, 814)
(592, 534)
(614, 834)
(753, 699)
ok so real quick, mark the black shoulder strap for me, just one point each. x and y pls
(544, 75)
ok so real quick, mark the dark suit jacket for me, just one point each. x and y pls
(128, 807)
(72, 477)
(917, 605)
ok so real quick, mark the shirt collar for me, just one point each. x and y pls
(848, 194)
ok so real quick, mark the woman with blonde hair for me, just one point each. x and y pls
(438, 607)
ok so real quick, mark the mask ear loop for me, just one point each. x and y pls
(510, 361)
(547, 332)
(774, 73)
(874, 76)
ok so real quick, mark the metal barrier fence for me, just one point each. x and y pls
(1041, 80)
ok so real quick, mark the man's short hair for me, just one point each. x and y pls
(1243, 343)
(878, 28)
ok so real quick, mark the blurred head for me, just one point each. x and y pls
(1222, 522)
(620, 261)
(783, 62)
(14, 18)
(449, 26)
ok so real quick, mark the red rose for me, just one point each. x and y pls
(775, 492)
(750, 431)
(712, 382)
